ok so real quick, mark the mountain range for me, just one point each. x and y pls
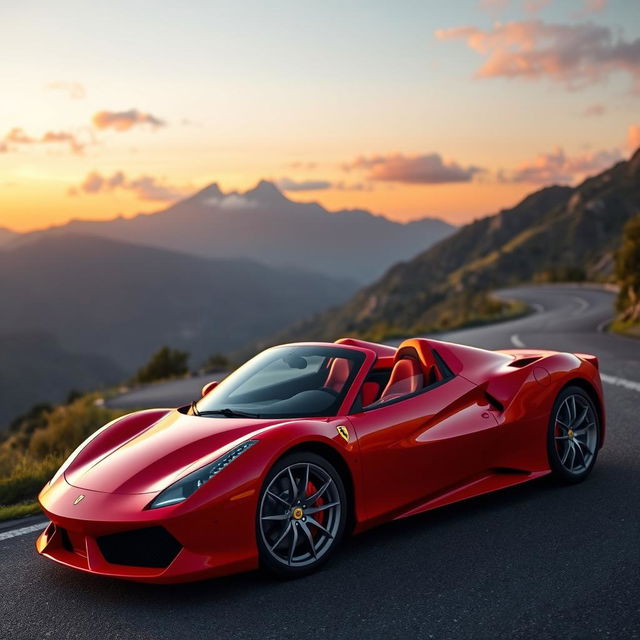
(81, 311)
(263, 225)
(556, 233)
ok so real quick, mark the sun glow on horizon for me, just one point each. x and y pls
(407, 112)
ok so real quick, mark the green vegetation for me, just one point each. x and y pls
(216, 362)
(39, 442)
(628, 275)
(18, 510)
(164, 364)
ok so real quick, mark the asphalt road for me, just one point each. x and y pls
(538, 560)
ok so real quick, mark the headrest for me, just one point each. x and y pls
(338, 374)
(419, 348)
(406, 378)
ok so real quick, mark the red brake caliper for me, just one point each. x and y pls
(318, 517)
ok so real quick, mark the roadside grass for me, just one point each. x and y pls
(495, 310)
(629, 329)
(30, 455)
(10, 512)
(26, 480)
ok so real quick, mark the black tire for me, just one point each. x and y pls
(573, 441)
(307, 533)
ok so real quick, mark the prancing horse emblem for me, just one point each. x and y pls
(343, 432)
(79, 499)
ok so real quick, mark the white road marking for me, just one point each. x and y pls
(620, 382)
(14, 533)
(516, 342)
(538, 307)
(603, 325)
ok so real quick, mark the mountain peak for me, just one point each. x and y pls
(211, 191)
(267, 192)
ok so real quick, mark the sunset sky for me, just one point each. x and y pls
(407, 108)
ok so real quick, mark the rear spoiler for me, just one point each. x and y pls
(586, 357)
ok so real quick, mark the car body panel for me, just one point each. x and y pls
(481, 427)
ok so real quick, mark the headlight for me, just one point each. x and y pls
(183, 488)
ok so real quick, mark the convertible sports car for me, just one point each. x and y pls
(309, 441)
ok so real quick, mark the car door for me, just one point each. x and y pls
(423, 444)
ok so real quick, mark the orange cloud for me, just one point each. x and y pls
(124, 120)
(633, 137)
(145, 187)
(574, 55)
(17, 136)
(413, 169)
(556, 167)
(75, 90)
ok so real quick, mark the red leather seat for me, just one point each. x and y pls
(406, 377)
(369, 393)
(338, 374)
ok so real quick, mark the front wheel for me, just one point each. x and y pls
(301, 515)
(573, 436)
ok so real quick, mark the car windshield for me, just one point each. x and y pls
(285, 382)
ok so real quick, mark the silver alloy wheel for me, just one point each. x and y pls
(575, 434)
(300, 514)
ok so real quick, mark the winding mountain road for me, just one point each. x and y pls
(537, 560)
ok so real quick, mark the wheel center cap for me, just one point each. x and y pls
(297, 513)
(570, 433)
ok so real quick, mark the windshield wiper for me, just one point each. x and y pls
(228, 413)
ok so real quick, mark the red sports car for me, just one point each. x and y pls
(308, 441)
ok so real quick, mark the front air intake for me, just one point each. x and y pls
(149, 547)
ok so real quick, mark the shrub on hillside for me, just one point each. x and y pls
(165, 363)
(30, 456)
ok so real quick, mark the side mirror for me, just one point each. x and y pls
(210, 386)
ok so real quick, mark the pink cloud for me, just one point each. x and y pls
(413, 169)
(573, 55)
(556, 167)
(125, 120)
(145, 187)
(17, 136)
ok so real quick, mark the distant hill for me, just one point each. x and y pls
(34, 368)
(557, 233)
(109, 305)
(7, 236)
(263, 225)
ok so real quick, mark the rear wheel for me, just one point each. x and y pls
(301, 515)
(574, 435)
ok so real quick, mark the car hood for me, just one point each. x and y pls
(159, 455)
